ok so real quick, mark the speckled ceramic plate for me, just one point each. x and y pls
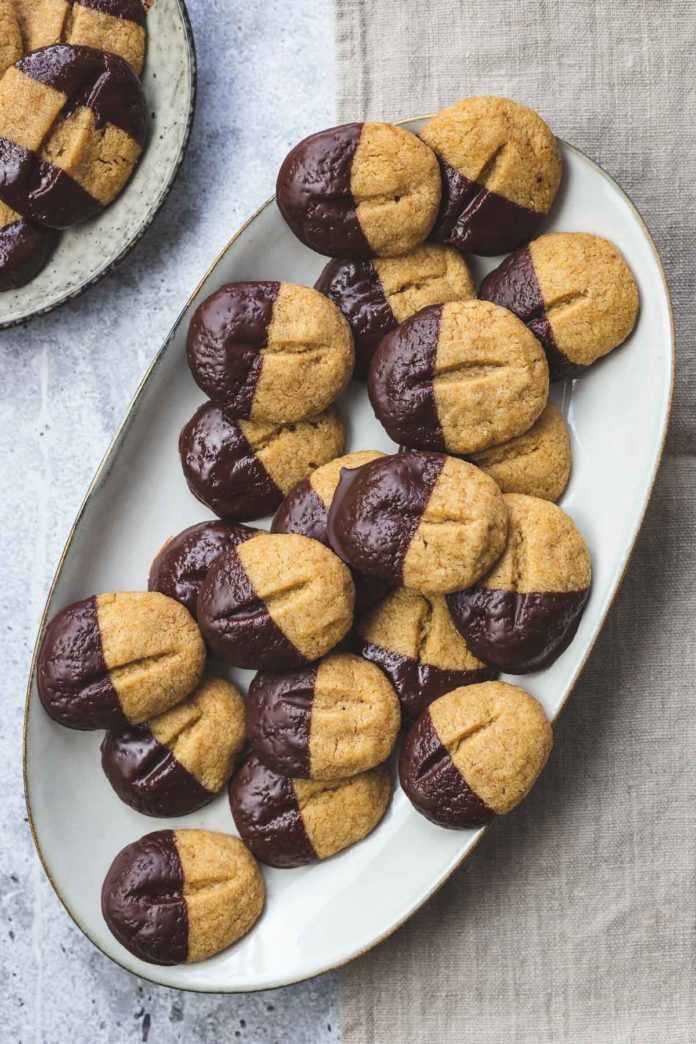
(88, 251)
(321, 916)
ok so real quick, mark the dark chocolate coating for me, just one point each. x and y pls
(517, 633)
(146, 775)
(129, 10)
(417, 684)
(71, 675)
(143, 902)
(267, 816)
(278, 716)
(434, 785)
(179, 569)
(221, 468)
(236, 623)
(24, 250)
(313, 193)
(376, 510)
(101, 81)
(478, 221)
(225, 338)
(355, 289)
(514, 285)
(400, 383)
(302, 512)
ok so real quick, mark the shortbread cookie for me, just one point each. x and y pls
(118, 659)
(177, 896)
(242, 469)
(291, 822)
(24, 248)
(361, 190)
(275, 602)
(375, 296)
(179, 761)
(574, 291)
(474, 753)
(524, 613)
(501, 168)
(270, 351)
(421, 520)
(458, 377)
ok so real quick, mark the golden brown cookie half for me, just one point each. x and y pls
(270, 351)
(524, 613)
(375, 296)
(24, 248)
(536, 463)
(242, 469)
(474, 753)
(118, 659)
(73, 124)
(501, 169)
(361, 190)
(413, 639)
(418, 520)
(275, 602)
(327, 721)
(574, 291)
(458, 377)
(177, 896)
(291, 822)
(180, 760)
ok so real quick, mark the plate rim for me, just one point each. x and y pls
(71, 295)
(103, 470)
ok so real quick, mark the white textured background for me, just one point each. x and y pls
(266, 78)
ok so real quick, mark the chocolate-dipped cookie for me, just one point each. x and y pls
(73, 123)
(181, 565)
(361, 190)
(242, 469)
(178, 896)
(328, 721)
(421, 520)
(118, 659)
(536, 463)
(291, 822)
(524, 613)
(474, 753)
(270, 351)
(24, 248)
(275, 602)
(375, 296)
(501, 168)
(180, 760)
(574, 291)
(458, 377)
(413, 639)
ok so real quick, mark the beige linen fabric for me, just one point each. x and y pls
(573, 922)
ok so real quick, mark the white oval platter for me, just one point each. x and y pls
(319, 917)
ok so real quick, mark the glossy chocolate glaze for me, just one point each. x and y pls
(225, 338)
(400, 383)
(143, 902)
(146, 775)
(221, 468)
(41, 191)
(313, 193)
(130, 10)
(433, 784)
(302, 512)
(355, 289)
(517, 633)
(478, 221)
(72, 677)
(417, 684)
(376, 510)
(514, 286)
(236, 623)
(24, 250)
(181, 566)
(278, 716)
(267, 816)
